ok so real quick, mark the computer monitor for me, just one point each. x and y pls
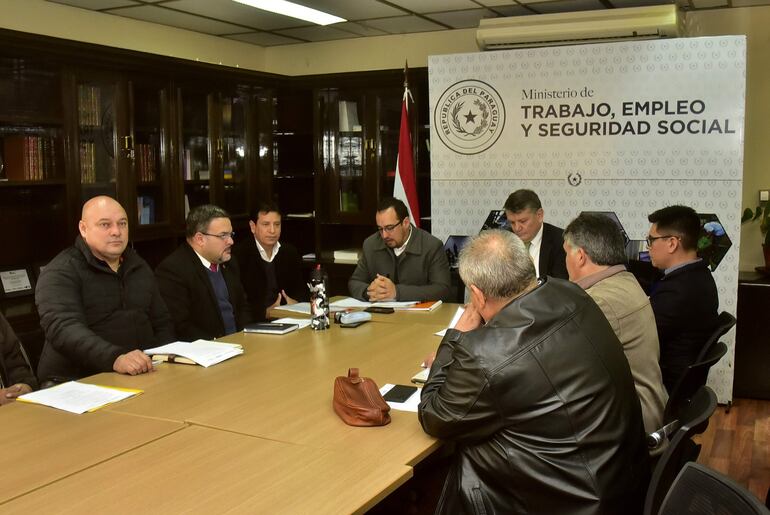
(496, 220)
(454, 244)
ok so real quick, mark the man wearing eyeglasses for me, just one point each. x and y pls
(98, 302)
(685, 300)
(199, 283)
(400, 262)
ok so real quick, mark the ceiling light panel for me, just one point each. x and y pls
(237, 13)
(294, 10)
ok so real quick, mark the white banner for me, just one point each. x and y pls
(622, 127)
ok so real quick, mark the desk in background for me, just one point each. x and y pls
(752, 344)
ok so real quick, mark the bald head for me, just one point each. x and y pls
(104, 227)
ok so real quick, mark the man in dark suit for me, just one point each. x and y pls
(685, 300)
(271, 271)
(544, 241)
(200, 285)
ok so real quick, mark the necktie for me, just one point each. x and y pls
(213, 267)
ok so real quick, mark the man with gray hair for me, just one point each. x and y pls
(201, 286)
(595, 261)
(534, 389)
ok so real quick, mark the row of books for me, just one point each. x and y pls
(29, 158)
(146, 162)
(89, 106)
(87, 162)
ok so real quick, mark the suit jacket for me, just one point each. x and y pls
(685, 303)
(552, 256)
(186, 288)
(288, 271)
(420, 273)
(628, 310)
(541, 404)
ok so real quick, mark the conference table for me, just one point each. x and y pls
(256, 433)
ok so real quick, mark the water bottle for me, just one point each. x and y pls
(319, 301)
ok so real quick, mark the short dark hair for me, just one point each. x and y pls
(681, 220)
(599, 236)
(520, 200)
(199, 218)
(265, 206)
(400, 208)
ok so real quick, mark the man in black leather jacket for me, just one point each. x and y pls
(533, 387)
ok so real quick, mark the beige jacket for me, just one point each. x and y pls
(628, 310)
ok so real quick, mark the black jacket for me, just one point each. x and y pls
(288, 271)
(91, 315)
(552, 256)
(542, 406)
(685, 303)
(13, 367)
(186, 288)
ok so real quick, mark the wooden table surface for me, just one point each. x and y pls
(281, 388)
(256, 433)
(201, 470)
(40, 444)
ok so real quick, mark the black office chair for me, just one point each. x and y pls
(692, 419)
(693, 378)
(698, 490)
(725, 322)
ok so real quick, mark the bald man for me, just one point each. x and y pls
(98, 302)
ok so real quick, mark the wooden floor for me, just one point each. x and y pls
(737, 444)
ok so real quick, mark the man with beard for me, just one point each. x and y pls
(200, 285)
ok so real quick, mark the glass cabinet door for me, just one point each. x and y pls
(147, 105)
(389, 119)
(97, 135)
(232, 151)
(195, 157)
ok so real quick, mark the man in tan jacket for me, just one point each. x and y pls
(595, 257)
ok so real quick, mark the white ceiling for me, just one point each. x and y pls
(229, 19)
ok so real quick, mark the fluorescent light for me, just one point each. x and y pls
(294, 10)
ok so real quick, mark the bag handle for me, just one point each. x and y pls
(353, 376)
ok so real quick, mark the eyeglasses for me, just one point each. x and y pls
(389, 228)
(651, 239)
(222, 236)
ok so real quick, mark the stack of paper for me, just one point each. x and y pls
(78, 397)
(347, 255)
(202, 352)
(350, 302)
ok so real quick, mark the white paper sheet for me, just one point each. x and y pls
(350, 302)
(299, 307)
(453, 322)
(77, 397)
(203, 352)
(410, 404)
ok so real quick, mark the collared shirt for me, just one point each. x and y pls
(589, 280)
(206, 262)
(263, 252)
(402, 248)
(680, 265)
(534, 250)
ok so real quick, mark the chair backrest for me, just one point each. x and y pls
(693, 420)
(725, 322)
(698, 490)
(693, 378)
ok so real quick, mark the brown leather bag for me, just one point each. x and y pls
(358, 401)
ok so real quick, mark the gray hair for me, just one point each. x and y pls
(497, 263)
(199, 218)
(599, 237)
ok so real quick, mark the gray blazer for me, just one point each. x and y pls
(420, 273)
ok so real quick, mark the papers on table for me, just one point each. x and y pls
(421, 377)
(78, 397)
(300, 307)
(453, 322)
(301, 322)
(350, 302)
(409, 405)
(202, 352)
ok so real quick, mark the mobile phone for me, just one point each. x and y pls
(399, 393)
(379, 309)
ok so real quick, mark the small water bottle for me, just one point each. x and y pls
(319, 301)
